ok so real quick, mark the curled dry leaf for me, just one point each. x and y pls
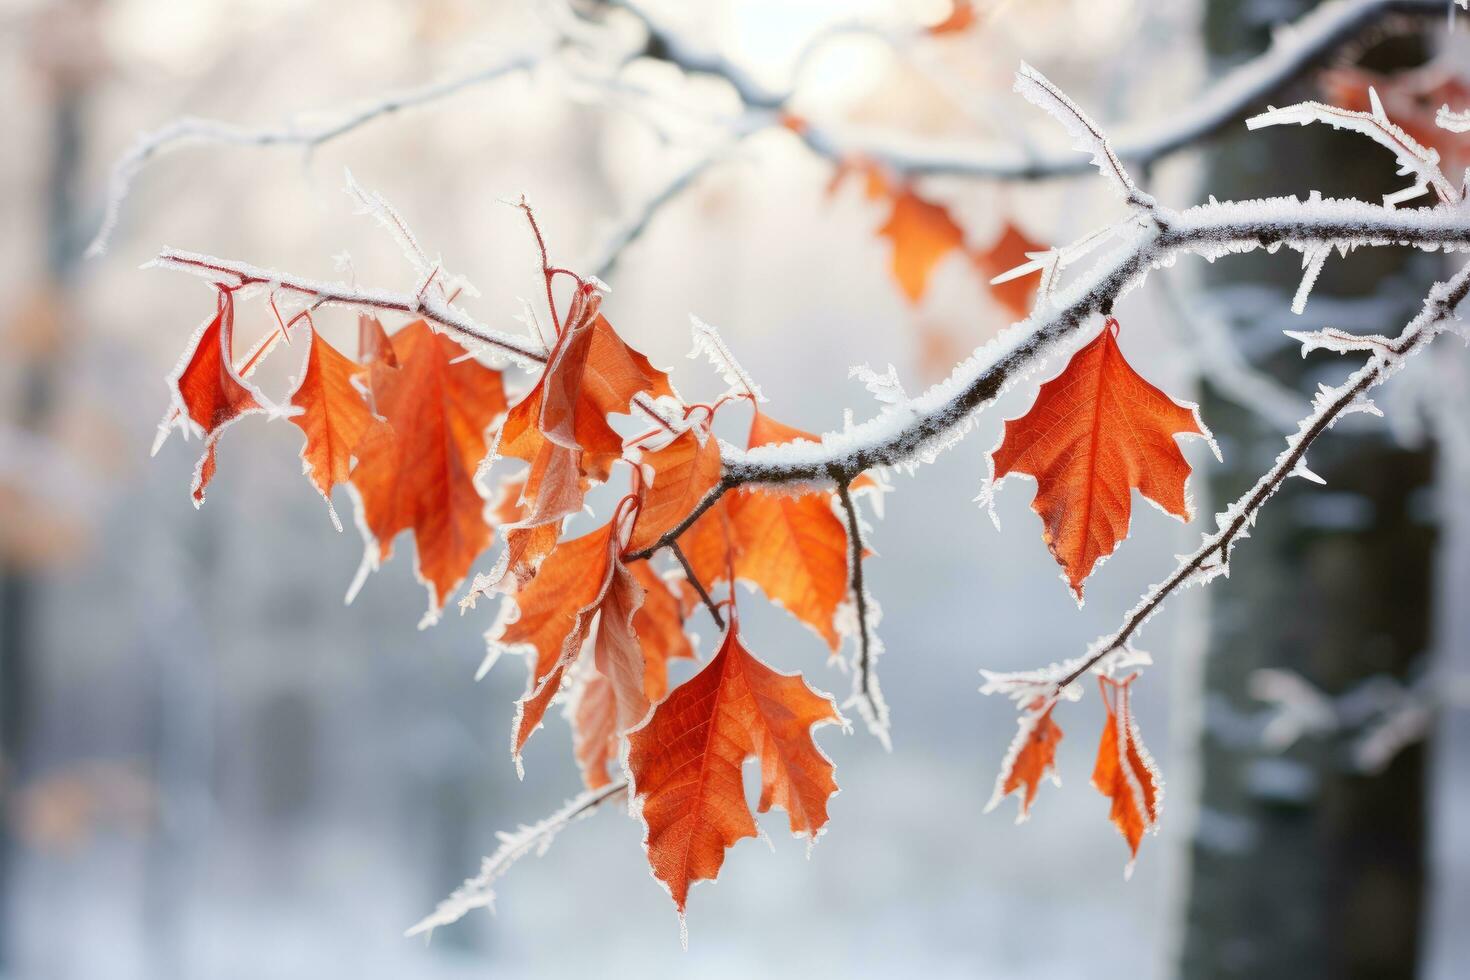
(1031, 758)
(1125, 773)
(209, 391)
(560, 428)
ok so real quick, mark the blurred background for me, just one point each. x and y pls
(213, 768)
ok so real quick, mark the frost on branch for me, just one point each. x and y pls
(476, 892)
(1086, 136)
(1414, 159)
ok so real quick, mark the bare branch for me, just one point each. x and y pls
(476, 892)
(693, 580)
(426, 304)
(865, 691)
(1212, 557)
(1416, 160)
(192, 131)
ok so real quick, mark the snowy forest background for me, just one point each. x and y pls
(214, 769)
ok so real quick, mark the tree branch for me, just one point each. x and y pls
(192, 130)
(1294, 51)
(424, 303)
(476, 893)
(865, 690)
(1235, 522)
(903, 432)
(693, 580)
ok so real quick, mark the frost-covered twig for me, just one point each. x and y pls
(1294, 51)
(425, 303)
(905, 433)
(1212, 557)
(635, 224)
(1037, 89)
(866, 694)
(1416, 160)
(476, 892)
(190, 130)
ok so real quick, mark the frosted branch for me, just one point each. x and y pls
(1087, 138)
(866, 694)
(424, 303)
(1414, 159)
(194, 131)
(1294, 51)
(1212, 557)
(476, 892)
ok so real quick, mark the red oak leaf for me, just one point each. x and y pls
(334, 417)
(1031, 757)
(422, 478)
(686, 763)
(1095, 432)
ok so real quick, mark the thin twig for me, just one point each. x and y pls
(865, 678)
(189, 130)
(1439, 307)
(431, 308)
(693, 580)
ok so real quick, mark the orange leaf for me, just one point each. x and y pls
(594, 711)
(1008, 252)
(561, 429)
(1095, 432)
(686, 759)
(334, 417)
(582, 579)
(1124, 772)
(683, 472)
(421, 479)
(594, 716)
(553, 616)
(922, 233)
(961, 16)
(1031, 758)
(792, 546)
(875, 182)
(209, 389)
(659, 624)
(373, 345)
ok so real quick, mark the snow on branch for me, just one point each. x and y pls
(1212, 557)
(1035, 88)
(426, 303)
(195, 131)
(1295, 50)
(1414, 159)
(476, 892)
(866, 694)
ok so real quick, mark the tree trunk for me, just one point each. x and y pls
(1300, 865)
